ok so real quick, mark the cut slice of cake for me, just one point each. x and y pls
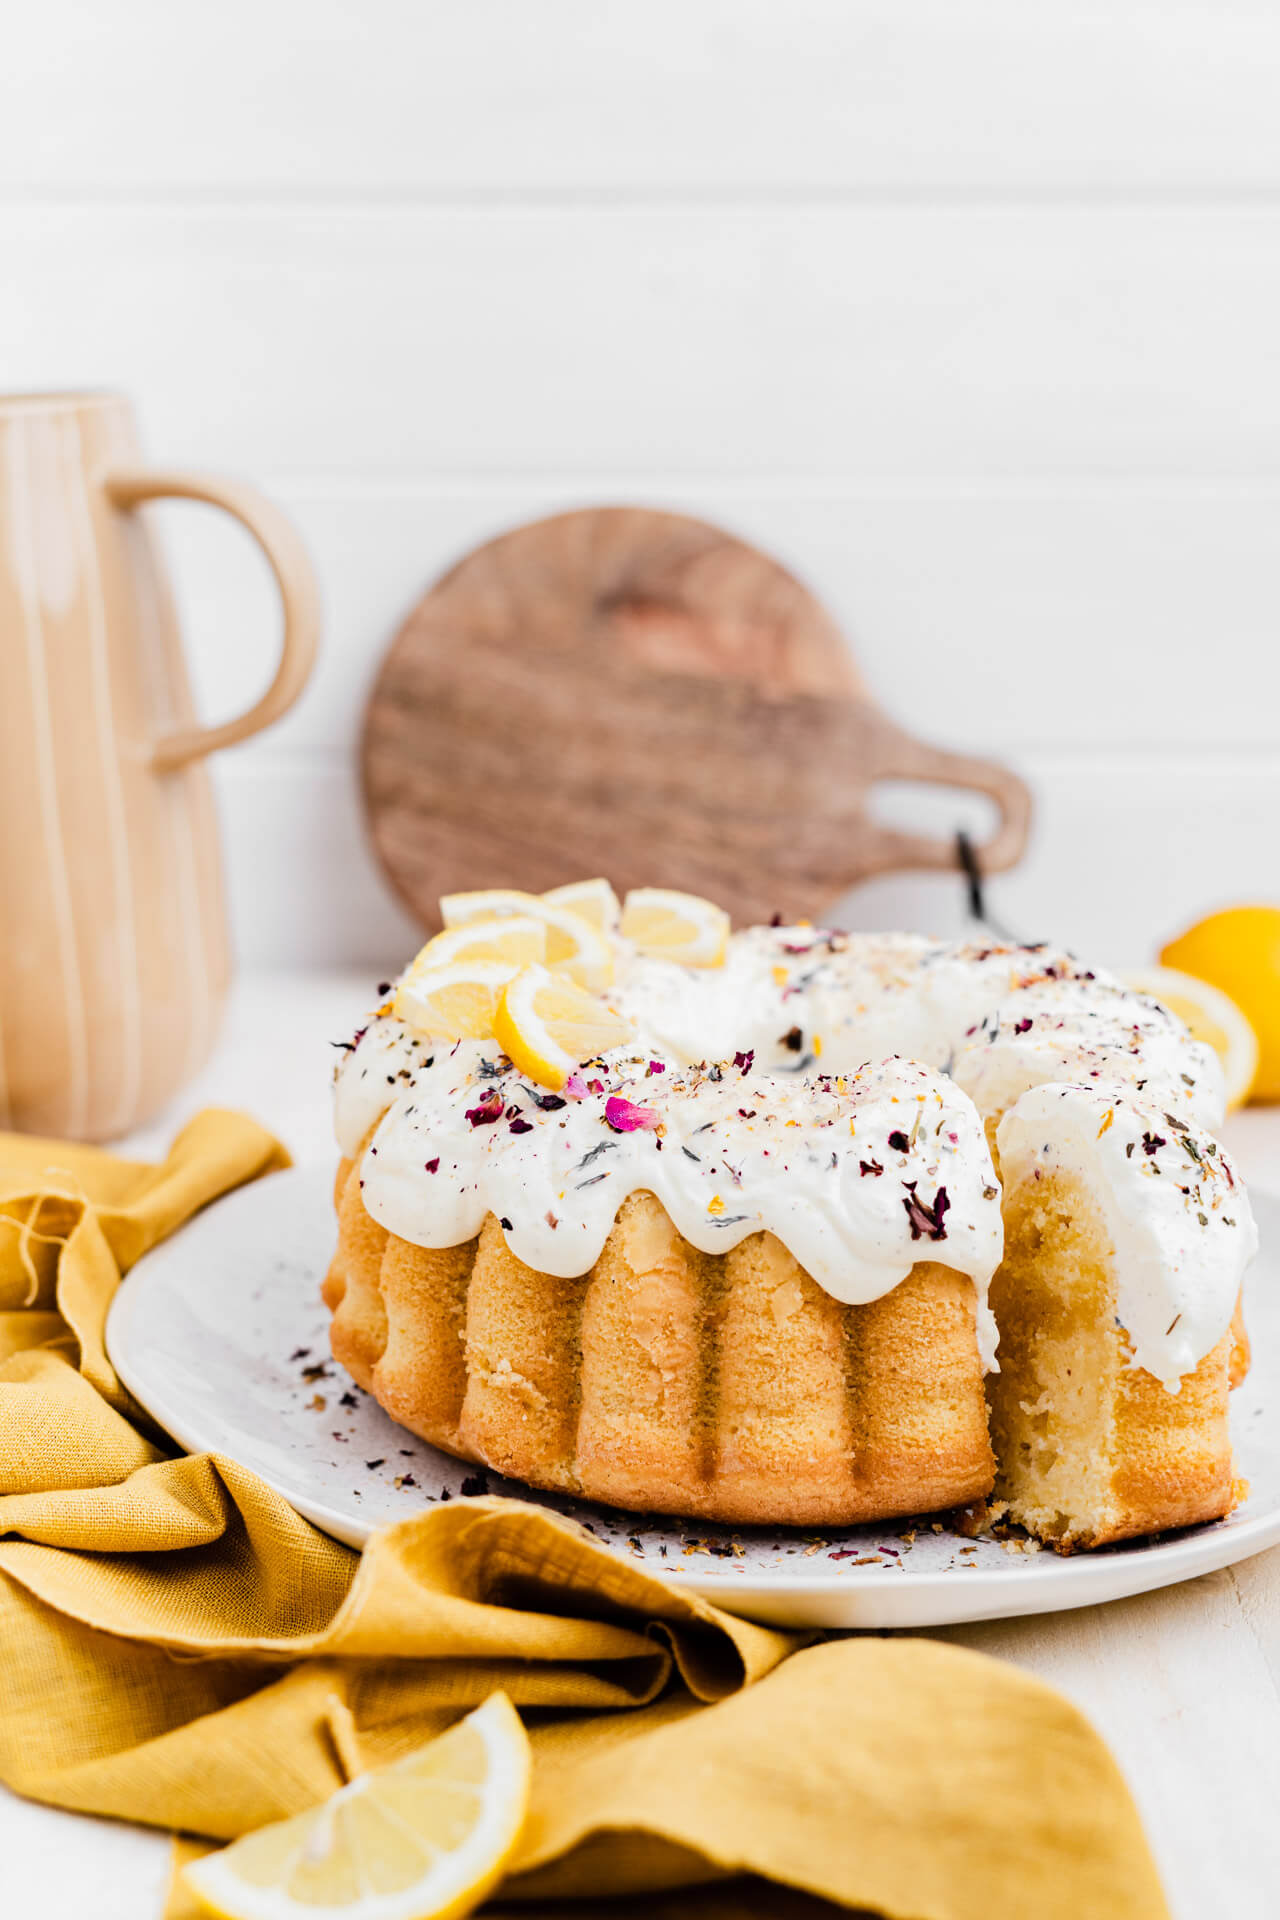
(1119, 1223)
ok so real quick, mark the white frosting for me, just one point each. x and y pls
(1179, 1220)
(823, 1014)
(860, 1177)
(1000, 1019)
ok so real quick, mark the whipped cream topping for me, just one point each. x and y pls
(999, 1018)
(859, 1176)
(847, 1033)
(1179, 1220)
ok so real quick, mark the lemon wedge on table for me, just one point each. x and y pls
(676, 926)
(1208, 1015)
(547, 1025)
(1238, 951)
(424, 1839)
(574, 945)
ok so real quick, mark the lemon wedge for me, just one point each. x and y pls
(424, 1839)
(678, 926)
(520, 939)
(455, 1003)
(592, 900)
(1209, 1015)
(548, 1025)
(574, 946)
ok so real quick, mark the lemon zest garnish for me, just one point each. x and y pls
(780, 976)
(715, 1204)
(1107, 1118)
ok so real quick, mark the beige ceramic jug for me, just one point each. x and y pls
(113, 938)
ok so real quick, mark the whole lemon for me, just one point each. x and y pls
(1238, 950)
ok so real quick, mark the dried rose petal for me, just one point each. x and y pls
(520, 1125)
(744, 1060)
(576, 1087)
(657, 1066)
(487, 1110)
(433, 1166)
(624, 1116)
(926, 1221)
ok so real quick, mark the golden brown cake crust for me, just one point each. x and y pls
(728, 1387)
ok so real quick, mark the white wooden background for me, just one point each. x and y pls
(971, 314)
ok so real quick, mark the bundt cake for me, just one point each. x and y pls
(755, 1263)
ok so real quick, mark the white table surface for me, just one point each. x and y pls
(1184, 1683)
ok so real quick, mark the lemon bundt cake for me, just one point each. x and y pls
(754, 1258)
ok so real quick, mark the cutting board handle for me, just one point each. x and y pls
(901, 757)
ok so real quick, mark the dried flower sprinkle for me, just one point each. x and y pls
(624, 1116)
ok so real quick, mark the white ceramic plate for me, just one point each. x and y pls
(220, 1333)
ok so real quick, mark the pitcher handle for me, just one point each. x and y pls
(299, 594)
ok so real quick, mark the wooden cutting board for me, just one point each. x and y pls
(625, 692)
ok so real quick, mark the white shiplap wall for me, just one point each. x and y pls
(970, 314)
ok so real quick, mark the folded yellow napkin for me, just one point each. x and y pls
(178, 1647)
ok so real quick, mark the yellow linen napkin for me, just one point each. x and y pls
(178, 1647)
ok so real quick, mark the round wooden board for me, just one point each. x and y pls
(632, 693)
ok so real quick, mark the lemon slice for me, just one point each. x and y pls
(456, 1003)
(1209, 1015)
(592, 900)
(574, 946)
(488, 903)
(520, 939)
(679, 926)
(548, 1025)
(424, 1839)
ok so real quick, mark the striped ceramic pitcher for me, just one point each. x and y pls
(113, 939)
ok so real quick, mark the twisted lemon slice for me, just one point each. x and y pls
(425, 1839)
(547, 1025)
(574, 945)
(592, 900)
(676, 926)
(456, 1003)
(519, 939)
